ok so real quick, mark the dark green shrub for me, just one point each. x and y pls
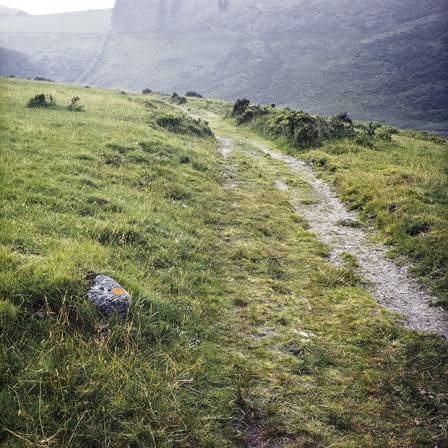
(169, 121)
(177, 99)
(193, 94)
(41, 78)
(182, 124)
(367, 134)
(240, 107)
(340, 126)
(250, 113)
(343, 116)
(146, 91)
(299, 127)
(75, 105)
(42, 100)
(306, 131)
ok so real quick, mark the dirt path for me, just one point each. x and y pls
(393, 286)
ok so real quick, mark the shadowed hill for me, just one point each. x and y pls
(11, 12)
(62, 46)
(19, 64)
(380, 60)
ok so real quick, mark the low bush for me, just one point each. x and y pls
(240, 107)
(41, 78)
(42, 101)
(193, 94)
(146, 91)
(75, 105)
(343, 116)
(182, 124)
(339, 126)
(299, 128)
(366, 135)
(177, 99)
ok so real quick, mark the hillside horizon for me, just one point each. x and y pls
(379, 61)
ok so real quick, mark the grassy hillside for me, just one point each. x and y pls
(397, 180)
(241, 333)
(107, 190)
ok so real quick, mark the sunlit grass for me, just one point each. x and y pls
(238, 321)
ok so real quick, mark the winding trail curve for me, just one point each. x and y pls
(393, 286)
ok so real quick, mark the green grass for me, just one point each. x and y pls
(106, 190)
(238, 318)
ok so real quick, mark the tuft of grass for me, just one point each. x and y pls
(75, 105)
(181, 124)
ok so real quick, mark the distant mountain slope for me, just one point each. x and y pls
(84, 22)
(11, 12)
(16, 63)
(380, 59)
(63, 45)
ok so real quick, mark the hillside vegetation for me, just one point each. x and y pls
(241, 331)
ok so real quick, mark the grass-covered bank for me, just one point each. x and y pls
(241, 330)
(397, 180)
(123, 188)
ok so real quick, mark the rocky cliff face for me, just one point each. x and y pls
(378, 59)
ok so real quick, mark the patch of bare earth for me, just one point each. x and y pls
(226, 147)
